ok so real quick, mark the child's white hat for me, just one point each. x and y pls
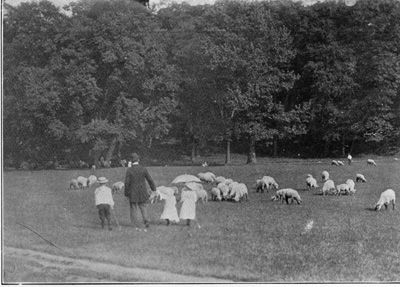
(102, 179)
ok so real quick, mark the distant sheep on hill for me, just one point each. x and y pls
(371, 162)
(286, 194)
(360, 177)
(73, 184)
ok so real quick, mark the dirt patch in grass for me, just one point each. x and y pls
(24, 265)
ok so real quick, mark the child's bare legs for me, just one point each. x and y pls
(188, 222)
(167, 221)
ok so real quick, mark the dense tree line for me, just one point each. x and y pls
(279, 78)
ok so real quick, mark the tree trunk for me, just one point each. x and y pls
(228, 151)
(193, 156)
(351, 146)
(251, 156)
(111, 149)
(343, 146)
(275, 146)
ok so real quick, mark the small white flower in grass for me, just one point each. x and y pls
(308, 226)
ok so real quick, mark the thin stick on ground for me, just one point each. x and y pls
(38, 234)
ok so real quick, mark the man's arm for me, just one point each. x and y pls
(127, 183)
(150, 180)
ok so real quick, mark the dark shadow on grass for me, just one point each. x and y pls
(370, 209)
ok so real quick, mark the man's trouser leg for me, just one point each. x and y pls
(143, 210)
(134, 214)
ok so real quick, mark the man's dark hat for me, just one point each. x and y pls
(135, 157)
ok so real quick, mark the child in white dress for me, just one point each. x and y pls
(188, 199)
(170, 213)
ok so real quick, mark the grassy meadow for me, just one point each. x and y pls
(256, 240)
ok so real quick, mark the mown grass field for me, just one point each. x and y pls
(258, 240)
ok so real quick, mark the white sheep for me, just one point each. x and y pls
(220, 179)
(224, 190)
(371, 162)
(92, 179)
(239, 191)
(202, 194)
(260, 185)
(118, 187)
(311, 182)
(342, 188)
(329, 185)
(387, 197)
(334, 162)
(286, 194)
(82, 181)
(325, 175)
(73, 184)
(351, 185)
(216, 194)
(340, 162)
(360, 177)
(207, 176)
(270, 182)
(228, 181)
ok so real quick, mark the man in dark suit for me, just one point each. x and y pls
(136, 191)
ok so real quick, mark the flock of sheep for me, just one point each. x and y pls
(229, 190)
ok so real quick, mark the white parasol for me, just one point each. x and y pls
(184, 178)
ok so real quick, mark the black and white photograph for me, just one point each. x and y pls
(200, 142)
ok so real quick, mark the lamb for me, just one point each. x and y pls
(216, 194)
(224, 190)
(360, 177)
(342, 188)
(118, 187)
(73, 184)
(328, 186)
(311, 182)
(351, 185)
(286, 194)
(325, 175)
(207, 176)
(82, 182)
(371, 162)
(387, 197)
(92, 179)
(202, 194)
(340, 162)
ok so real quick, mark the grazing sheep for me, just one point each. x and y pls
(342, 188)
(340, 162)
(329, 185)
(260, 185)
(118, 187)
(351, 185)
(216, 194)
(202, 194)
(92, 179)
(360, 177)
(371, 162)
(270, 182)
(82, 181)
(286, 194)
(228, 181)
(334, 162)
(311, 182)
(325, 175)
(238, 191)
(73, 184)
(224, 190)
(387, 197)
(207, 176)
(220, 179)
